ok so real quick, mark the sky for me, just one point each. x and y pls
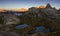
(15, 4)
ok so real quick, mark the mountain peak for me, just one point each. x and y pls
(48, 6)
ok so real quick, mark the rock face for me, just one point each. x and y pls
(39, 34)
(10, 19)
(34, 34)
(58, 16)
(58, 12)
(33, 9)
(50, 10)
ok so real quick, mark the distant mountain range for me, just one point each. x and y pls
(46, 9)
(24, 9)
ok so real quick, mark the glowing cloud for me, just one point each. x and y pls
(1, 10)
(22, 9)
(40, 6)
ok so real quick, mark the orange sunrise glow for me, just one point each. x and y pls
(40, 6)
(1, 10)
(20, 10)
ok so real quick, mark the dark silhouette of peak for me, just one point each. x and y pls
(48, 6)
(59, 10)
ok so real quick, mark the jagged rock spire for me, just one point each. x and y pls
(48, 6)
(59, 9)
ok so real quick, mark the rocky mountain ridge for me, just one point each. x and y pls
(48, 17)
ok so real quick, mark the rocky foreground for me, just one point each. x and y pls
(4, 33)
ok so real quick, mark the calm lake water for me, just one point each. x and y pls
(21, 26)
(42, 29)
(39, 29)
